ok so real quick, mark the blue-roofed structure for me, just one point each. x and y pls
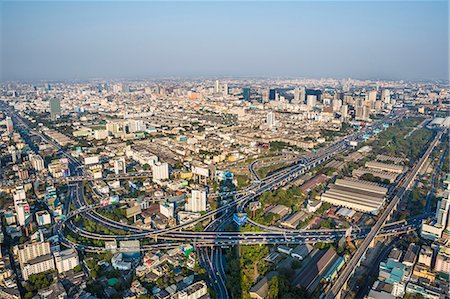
(334, 268)
(391, 271)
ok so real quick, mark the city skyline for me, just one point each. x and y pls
(85, 40)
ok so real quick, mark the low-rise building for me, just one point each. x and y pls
(355, 194)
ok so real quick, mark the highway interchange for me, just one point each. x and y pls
(210, 241)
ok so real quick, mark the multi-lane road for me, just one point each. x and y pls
(213, 237)
(388, 212)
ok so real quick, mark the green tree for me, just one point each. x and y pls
(273, 288)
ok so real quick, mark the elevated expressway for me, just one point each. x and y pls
(270, 183)
(213, 237)
(388, 213)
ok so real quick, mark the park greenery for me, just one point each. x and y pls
(287, 197)
(268, 170)
(243, 269)
(36, 282)
(396, 141)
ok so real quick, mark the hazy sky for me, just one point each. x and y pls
(359, 39)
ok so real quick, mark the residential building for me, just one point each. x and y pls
(66, 260)
(197, 202)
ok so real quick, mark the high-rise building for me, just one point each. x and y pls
(120, 165)
(272, 94)
(337, 104)
(443, 211)
(160, 171)
(66, 260)
(9, 125)
(167, 209)
(361, 110)
(296, 99)
(15, 153)
(216, 86)
(35, 258)
(265, 95)
(55, 108)
(299, 95)
(37, 162)
(371, 98)
(442, 263)
(311, 101)
(197, 202)
(136, 125)
(21, 205)
(38, 265)
(344, 111)
(31, 251)
(225, 89)
(246, 93)
(386, 96)
(270, 119)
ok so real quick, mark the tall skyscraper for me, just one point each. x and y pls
(299, 95)
(55, 108)
(311, 101)
(272, 93)
(225, 89)
(270, 119)
(361, 110)
(265, 95)
(371, 98)
(296, 99)
(246, 93)
(21, 205)
(344, 111)
(386, 96)
(216, 86)
(9, 125)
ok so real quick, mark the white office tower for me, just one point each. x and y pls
(136, 125)
(216, 86)
(311, 101)
(270, 119)
(197, 202)
(9, 125)
(371, 97)
(296, 99)
(225, 89)
(337, 104)
(160, 171)
(386, 96)
(167, 209)
(361, 110)
(299, 95)
(265, 95)
(15, 154)
(37, 162)
(302, 95)
(362, 113)
(344, 111)
(120, 165)
(66, 260)
(21, 205)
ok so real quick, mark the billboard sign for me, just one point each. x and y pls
(240, 218)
